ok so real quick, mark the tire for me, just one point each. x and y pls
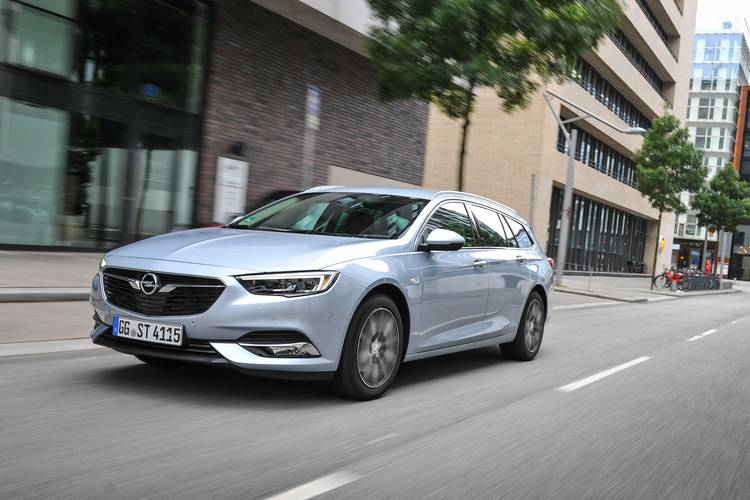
(527, 342)
(660, 281)
(685, 284)
(373, 350)
(153, 360)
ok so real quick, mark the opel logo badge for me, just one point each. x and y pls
(149, 283)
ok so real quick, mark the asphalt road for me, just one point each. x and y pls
(666, 416)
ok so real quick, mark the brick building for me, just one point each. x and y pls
(115, 115)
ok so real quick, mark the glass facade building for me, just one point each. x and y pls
(720, 67)
(100, 117)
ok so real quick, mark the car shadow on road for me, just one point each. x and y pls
(221, 386)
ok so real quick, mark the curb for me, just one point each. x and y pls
(682, 295)
(629, 300)
(44, 295)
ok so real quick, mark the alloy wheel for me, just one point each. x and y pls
(378, 347)
(534, 325)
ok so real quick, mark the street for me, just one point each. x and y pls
(580, 421)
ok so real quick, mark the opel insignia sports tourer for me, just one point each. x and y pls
(332, 283)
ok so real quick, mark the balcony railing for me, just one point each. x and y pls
(629, 50)
(656, 24)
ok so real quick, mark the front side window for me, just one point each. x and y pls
(453, 217)
(360, 215)
(491, 233)
(517, 230)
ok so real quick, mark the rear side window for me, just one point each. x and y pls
(491, 233)
(520, 234)
(453, 217)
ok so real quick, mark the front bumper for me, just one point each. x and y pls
(219, 331)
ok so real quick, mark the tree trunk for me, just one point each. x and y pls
(656, 250)
(464, 135)
(462, 152)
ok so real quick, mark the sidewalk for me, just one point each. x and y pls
(630, 289)
(46, 276)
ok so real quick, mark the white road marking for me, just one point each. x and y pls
(733, 321)
(598, 376)
(704, 334)
(46, 346)
(317, 487)
(381, 438)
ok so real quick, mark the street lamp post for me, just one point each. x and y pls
(571, 139)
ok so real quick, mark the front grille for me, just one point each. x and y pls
(178, 294)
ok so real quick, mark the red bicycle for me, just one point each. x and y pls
(680, 278)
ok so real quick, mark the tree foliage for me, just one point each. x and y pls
(442, 50)
(724, 202)
(667, 164)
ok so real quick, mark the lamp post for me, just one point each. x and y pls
(571, 139)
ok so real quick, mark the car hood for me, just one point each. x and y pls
(255, 251)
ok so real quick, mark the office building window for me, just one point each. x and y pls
(596, 85)
(602, 238)
(635, 57)
(601, 157)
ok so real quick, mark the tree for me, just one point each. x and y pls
(724, 202)
(443, 51)
(668, 164)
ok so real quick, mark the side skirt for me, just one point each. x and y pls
(501, 339)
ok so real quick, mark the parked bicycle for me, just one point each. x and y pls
(679, 277)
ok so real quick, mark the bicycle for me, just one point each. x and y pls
(672, 275)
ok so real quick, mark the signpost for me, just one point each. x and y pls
(230, 189)
(312, 124)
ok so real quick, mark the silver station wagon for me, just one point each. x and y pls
(332, 283)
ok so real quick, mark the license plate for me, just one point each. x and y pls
(147, 331)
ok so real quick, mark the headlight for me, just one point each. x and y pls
(288, 284)
(102, 263)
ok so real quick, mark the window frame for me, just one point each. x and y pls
(526, 230)
(421, 233)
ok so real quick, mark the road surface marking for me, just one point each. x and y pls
(598, 376)
(704, 334)
(317, 487)
(381, 438)
(46, 346)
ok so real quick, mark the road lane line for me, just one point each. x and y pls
(317, 487)
(598, 376)
(709, 332)
(693, 339)
(381, 438)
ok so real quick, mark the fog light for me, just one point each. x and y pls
(292, 350)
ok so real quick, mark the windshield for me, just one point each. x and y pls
(361, 215)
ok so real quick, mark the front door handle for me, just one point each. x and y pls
(520, 259)
(480, 264)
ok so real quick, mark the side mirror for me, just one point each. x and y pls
(442, 239)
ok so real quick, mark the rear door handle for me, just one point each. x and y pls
(480, 264)
(520, 259)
